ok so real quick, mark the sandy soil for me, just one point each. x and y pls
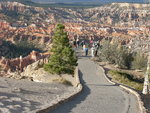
(23, 96)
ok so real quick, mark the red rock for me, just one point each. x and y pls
(21, 63)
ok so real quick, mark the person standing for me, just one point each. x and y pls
(92, 51)
(77, 42)
(91, 42)
(96, 48)
(86, 51)
(84, 46)
(74, 43)
(82, 43)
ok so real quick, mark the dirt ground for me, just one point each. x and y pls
(23, 96)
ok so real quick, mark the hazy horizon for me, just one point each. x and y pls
(90, 1)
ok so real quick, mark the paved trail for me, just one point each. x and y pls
(98, 95)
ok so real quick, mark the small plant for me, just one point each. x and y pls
(0, 68)
(127, 79)
(63, 81)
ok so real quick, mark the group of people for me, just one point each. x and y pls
(94, 49)
(93, 44)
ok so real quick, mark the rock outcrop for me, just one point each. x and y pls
(124, 14)
(19, 64)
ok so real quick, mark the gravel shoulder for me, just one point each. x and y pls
(23, 96)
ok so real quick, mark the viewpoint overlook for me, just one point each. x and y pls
(74, 56)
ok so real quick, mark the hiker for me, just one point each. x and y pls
(74, 43)
(82, 43)
(91, 42)
(84, 46)
(86, 51)
(92, 51)
(96, 45)
(77, 42)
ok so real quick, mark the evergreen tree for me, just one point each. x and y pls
(63, 59)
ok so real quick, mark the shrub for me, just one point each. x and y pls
(139, 62)
(108, 52)
(123, 58)
(21, 48)
(116, 55)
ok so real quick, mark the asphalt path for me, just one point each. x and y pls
(98, 95)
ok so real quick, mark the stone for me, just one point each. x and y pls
(15, 99)
(16, 90)
(10, 106)
(5, 110)
(138, 70)
(17, 106)
(3, 97)
(27, 103)
(1, 104)
(116, 66)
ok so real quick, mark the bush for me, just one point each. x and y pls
(21, 48)
(123, 58)
(139, 62)
(108, 52)
(116, 55)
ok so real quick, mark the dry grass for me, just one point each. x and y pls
(126, 79)
(130, 78)
(63, 81)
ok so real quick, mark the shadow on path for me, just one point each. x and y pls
(11, 103)
(2, 87)
(83, 56)
(102, 85)
(68, 106)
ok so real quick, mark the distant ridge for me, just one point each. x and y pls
(55, 4)
(89, 1)
(81, 1)
(73, 3)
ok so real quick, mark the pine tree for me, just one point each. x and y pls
(63, 59)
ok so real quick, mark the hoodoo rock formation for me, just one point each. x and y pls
(36, 24)
(118, 22)
(18, 64)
